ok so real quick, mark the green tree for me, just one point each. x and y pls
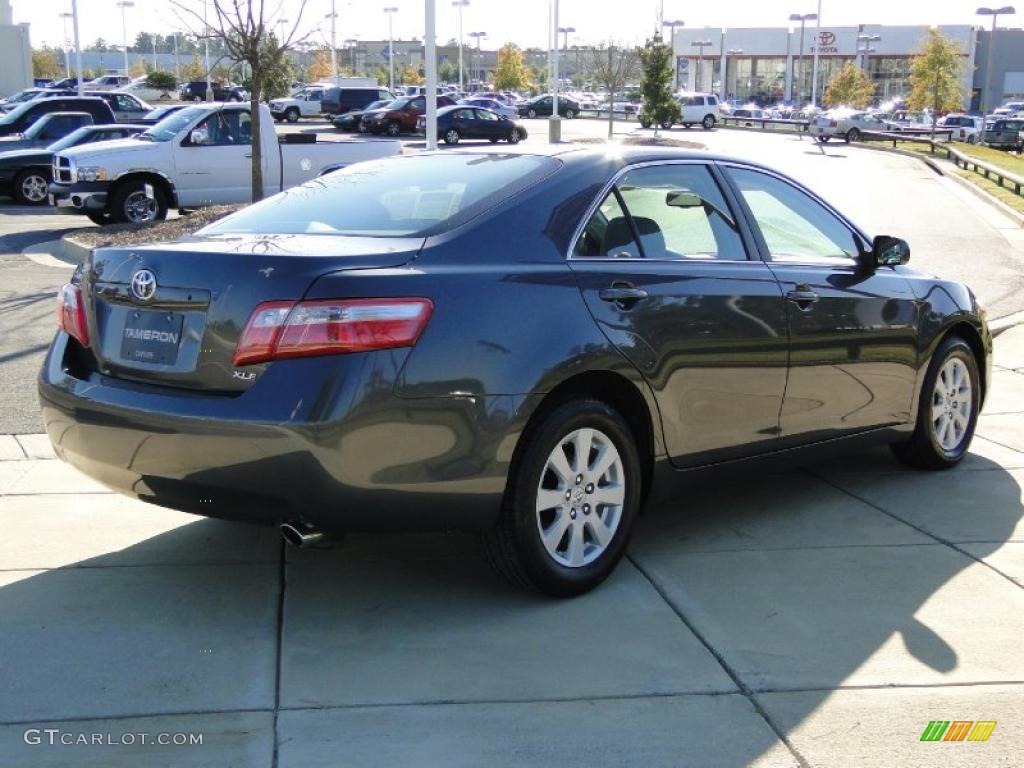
(99, 45)
(161, 80)
(850, 86)
(447, 72)
(320, 65)
(510, 72)
(409, 75)
(656, 83)
(46, 63)
(936, 76)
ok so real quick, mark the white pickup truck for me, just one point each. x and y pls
(198, 156)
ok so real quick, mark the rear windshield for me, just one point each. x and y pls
(405, 196)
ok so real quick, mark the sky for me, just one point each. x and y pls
(524, 22)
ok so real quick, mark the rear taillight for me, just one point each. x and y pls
(71, 313)
(283, 329)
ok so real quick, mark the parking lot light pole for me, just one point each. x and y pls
(206, 53)
(67, 62)
(817, 45)
(701, 45)
(803, 18)
(460, 4)
(734, 52)
(995, 13)
(430, 72)
(672, 44)
(554, 122)
(78, 48)
(351, 43)
(124, 5)
(479, 61)
(333, 16)
(391, 11)
(864, 46)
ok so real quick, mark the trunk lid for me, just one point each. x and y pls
(198, 293)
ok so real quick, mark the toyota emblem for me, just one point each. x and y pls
(826, 38)
(143, 285)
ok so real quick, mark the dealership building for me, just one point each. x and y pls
(15, 52)
(775, 64)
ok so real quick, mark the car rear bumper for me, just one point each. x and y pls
(319, 441)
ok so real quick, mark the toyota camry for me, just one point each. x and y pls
(532, 345)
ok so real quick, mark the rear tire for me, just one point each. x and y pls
(645, 123)
(852, 135)
(451, 136)
(532, 113)
(570, 114)
(947, 409)
(394, 129)
(565, 520)
(708, 122)
(667, 125)
(513, 136)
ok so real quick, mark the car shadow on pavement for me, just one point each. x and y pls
(852, 573)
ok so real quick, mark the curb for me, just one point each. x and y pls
(1005, 323)
(72, 250)
(934, 163)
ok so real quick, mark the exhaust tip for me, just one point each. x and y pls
(300, 538)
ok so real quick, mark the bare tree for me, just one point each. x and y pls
(244, 29)
(611, 66)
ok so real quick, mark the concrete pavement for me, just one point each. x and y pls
(820, 616)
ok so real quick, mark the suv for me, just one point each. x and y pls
(108, 83)
(402, 115)
(699, 109)
(196, 91)
(20, 118)
(338, 101)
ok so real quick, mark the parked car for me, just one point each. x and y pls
(707, 311)
(462, 122)
(353, 121)
(20, 118)
(305, 102)
(196, 91)
(157, 114)
(139, 88)
(46, 130)
(750, 112)
(1009, 109)
(108, 83)
(966, 128)
(845, 124)
(339, 100)
(541, 106)
(1005, 134)
(26, 173)
(493, 105)
(15, 99)
(699, 109)
(903, 120)
(400, 116)
(199, 156)
(63, 84)
(127, 107)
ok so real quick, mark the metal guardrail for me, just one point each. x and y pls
(913, 135)
(958, 158)
(764, 122)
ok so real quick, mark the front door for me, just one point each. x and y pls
(663, 265)
(852, 330)
(214, 162)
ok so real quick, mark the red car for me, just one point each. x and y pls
(401, 115)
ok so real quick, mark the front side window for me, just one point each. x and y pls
(224, 128)
(484, 115)
(674, 211)
(795, 226)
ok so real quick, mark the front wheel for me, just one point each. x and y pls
(292, 115)
(31, 188)
(451, 136)
(947, 409)
(570, 114)
(573, 494)
(393, 129)
(132, 203)
(852, 135)
(708, 122)
(513, 136)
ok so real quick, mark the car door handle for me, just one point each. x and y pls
(622, 294)
(803, 298)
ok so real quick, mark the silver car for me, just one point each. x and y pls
(845, 124)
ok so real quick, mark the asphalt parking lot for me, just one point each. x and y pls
(821, 616)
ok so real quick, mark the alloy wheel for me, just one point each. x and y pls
(580, 497)
(451, 137)
(33, 188)
(952, 401)
(138, 207)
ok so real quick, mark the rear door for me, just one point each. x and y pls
(853, 352)
(672, 278)
(489, 125)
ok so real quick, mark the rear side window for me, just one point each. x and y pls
(675, 211)
(407, 196)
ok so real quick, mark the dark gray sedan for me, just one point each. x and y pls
(529, 345)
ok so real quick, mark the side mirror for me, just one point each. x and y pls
(889, 251)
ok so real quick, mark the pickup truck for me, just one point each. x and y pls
(198, 156)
